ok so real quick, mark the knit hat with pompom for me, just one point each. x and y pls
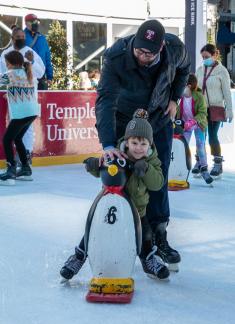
(139, 126)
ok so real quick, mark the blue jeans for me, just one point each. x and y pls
(158, 210)
(200, 144)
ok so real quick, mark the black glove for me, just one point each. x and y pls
(140, 168)
(92, 164)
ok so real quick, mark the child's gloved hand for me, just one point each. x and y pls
(92, 164)
(140, 168)
(189, 124)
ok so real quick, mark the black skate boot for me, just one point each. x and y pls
(168, 255)
(196, 168)
(217, 169)
(24, 173)
(206, 175)
(8, 178)
(154, 266)
(73, 264)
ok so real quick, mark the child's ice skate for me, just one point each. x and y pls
(154, 266)
(8, 178)
(196, 170)
(73, 265)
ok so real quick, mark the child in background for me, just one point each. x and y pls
(193, 112)
(23, 109)
(146, 175)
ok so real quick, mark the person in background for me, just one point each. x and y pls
(192, 111)
(38, 70)
(37, 41)
(84, 81)
(149, 69)
(23, 109)
(214, 80)
(94, 77)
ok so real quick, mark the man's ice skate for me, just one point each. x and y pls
(217, 169)
(154, 267)
(8, 178)
(24, 173)
(166, 253)
(73, 265)
(206, 175)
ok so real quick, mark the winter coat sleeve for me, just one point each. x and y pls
(38, 66)
(153, 178)
(181, 76)
(201, 114)
(225, 84)
(107, 95)
(49, 68)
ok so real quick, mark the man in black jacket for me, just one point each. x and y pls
(146, 70)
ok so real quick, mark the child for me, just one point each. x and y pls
(146, 175)
(193, 112)
(23, 109)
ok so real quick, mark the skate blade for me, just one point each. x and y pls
(25, 178)
(156, 278)
(197, 176)
(64, 281)
(9, 182)
(109, 298)
(217, 177)
(173, 267)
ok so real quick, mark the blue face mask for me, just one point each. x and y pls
(208, 62)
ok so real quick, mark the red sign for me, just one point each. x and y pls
(66, 125)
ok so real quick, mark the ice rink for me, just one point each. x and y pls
(41, 221)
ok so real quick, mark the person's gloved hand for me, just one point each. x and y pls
(140, 168)
(189, 124)
(92, 164)
(229, 115)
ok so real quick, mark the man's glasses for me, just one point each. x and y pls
(34, 22)
(141, 52)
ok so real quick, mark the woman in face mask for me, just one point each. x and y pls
(214, 80)
(38, 70)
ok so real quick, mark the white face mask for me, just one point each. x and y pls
(187, 92)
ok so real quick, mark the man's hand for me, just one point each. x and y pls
(29, 56)
(171, 110)
(112, 153)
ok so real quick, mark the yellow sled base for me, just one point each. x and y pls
(175, 185)
(110, 290)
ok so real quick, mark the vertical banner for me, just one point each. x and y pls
(195, 29)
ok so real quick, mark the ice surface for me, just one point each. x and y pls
(41, 221)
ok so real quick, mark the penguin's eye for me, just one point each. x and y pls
(121, 162)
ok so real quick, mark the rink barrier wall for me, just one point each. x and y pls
(64, 132)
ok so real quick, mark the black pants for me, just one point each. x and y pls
(14, 133)
(213, 129)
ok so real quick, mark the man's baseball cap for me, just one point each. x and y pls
(150, 35)
(31, 17)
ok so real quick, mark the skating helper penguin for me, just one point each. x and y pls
(112, 237)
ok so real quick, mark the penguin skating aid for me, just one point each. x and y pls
(112, 238)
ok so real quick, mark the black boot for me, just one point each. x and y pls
(168, 255)
(73, 264)
(205, 174)
(217, 169)
(196, 168)
(24, 173)
(9, 176)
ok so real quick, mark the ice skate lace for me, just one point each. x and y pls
(154, 262)
(74, 264)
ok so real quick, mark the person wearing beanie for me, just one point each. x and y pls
(148, 69)
(37, 41)
(144, 174)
